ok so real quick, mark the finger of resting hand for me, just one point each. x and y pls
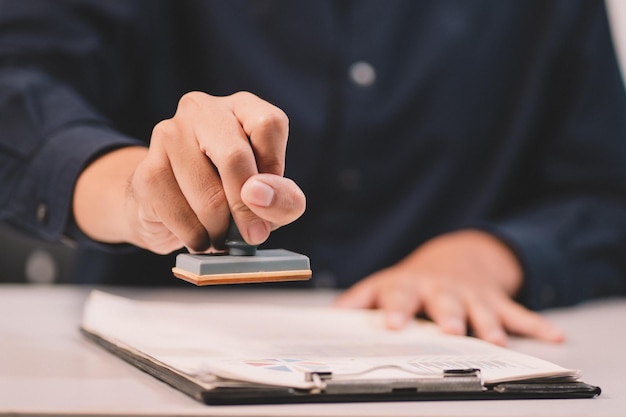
(267, 127)
(523, 322)
(447, 310)
(400, 303)
(485, 321)
(360, 295)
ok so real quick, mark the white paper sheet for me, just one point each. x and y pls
(278, 345)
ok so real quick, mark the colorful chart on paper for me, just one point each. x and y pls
(288, 365)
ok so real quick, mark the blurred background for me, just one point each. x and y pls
(23, 259)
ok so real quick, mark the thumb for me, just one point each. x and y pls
(273, 198)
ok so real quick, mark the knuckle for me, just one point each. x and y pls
(271, 117)
(164, 131)
(213, 197)
(273, 165)
(191, 101)
(150, 176)
(273, 120)
(243, 95)
(162, 249)
(242, 212)
(236, 158)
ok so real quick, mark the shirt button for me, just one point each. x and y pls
(42, 213)
(41, 268)
(362, 73)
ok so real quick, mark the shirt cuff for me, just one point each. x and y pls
(540, 259)
(43, 204)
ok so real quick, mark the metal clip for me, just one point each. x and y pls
(452, 380)
(318, 379)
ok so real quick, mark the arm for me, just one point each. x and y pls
(215, 156)
(560, 241)
(569, 235)
(50, 63)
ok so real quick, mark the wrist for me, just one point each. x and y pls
(498, 259)
(101, 194)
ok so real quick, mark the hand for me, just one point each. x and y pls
(465, 277)
(217, 156)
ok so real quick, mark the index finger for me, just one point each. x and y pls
(267, 127)
(520, 321)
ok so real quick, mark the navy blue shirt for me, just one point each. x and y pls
(408, 119)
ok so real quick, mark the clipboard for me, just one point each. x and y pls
(326, 386)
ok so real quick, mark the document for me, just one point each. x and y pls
(307, 349)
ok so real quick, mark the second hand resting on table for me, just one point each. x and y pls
(219, 156)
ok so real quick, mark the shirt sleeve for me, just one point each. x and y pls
(51, 69)
(571, 236)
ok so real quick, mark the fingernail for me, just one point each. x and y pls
(497, 337)
(454, 326)
(261, 194)
(257, 232)
(396, 320)
(557, 335)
